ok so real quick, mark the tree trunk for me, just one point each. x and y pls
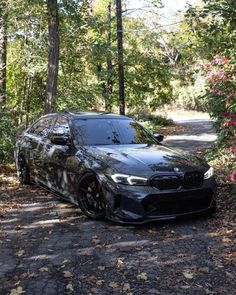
(3, 52)
(108, 102)
(53, 55)
(120, 57)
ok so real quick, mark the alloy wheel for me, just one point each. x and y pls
(91, 199)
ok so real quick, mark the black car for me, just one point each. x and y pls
(113, 167)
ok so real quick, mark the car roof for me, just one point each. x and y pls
(91, 115)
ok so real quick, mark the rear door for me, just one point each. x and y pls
(38, 137)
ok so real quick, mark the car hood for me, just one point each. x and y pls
(145, 160)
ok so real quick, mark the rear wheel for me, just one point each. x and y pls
(23, 172)
(90, 197)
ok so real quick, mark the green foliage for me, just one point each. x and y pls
(222, 156)
(87, 42)
(148, 77)
(160, 66)
(205, 73)
(7, 139)
(221, 93)
(151, 121)
(211, 31)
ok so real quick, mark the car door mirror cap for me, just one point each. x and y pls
(159, 136)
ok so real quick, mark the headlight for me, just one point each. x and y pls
(129, 179)
(209, 173)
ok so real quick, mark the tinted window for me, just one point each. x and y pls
(42, 127)
(61, 126)
(110, 131)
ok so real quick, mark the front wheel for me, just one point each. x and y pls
(90, 197)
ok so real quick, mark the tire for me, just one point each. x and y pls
(23, 172)
(90, 197)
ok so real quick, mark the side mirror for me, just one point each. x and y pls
(158, 136)
(59, 139)
(59, 136)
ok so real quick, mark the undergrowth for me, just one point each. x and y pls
(151, 121)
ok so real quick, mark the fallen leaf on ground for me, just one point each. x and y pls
(66, 261)
(231, 255)
(92, 279)
(126, 287)
(43, 269)
(99, 282)
(24, 275)
(67, 274)
(142, 276)
(188, 275)
(113, 285)
(139, 248)
(96, 241)
(17, 291)
(32, 275)
(2, 235)
(119, 262)
(226, 240)
(20, 253)
(108, 246)
(69, 287)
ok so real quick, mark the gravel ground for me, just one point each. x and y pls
(48, 247)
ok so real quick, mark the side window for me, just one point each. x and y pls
(42, 127)
(61, 127)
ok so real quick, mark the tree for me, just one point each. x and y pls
(108, 102)
(53, 55)
(120, 57)
(3, 52)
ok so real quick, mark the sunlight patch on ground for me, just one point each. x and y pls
(154, 260)
(186, 115)
(43, 256)
(202, 137)
(130, 244)
(9, 220)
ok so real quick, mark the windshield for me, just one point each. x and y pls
(110, 132)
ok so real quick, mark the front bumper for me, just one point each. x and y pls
(141, 204)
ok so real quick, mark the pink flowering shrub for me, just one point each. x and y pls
(221, 94)
(220, 75)
(232, 176)
(233, 149)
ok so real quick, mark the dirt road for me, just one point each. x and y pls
(48, 247)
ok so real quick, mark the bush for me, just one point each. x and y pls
(151, 121)
(7, 139)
